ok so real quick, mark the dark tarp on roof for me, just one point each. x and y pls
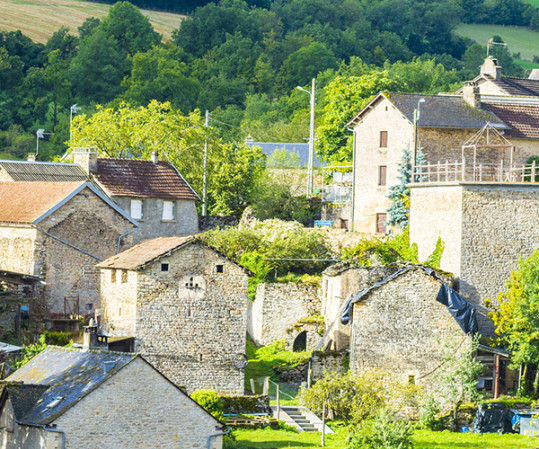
(461, 310)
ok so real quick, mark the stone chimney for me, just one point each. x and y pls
(91, 339)
(86, 159)
(491, 67)
(534, 75)
(471, 95)
(155, 157)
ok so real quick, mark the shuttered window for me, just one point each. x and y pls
(383, 139)
(136, 209)
(168, 210)
(381, 220)
(382, 175)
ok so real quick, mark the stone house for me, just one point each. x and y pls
(153, 192)
(186, 306)
(58, 231)
(386, 127)
(289, 311)
(398, 326)
(73, 399)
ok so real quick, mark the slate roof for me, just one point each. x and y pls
(24, 171)
(59, 373)
(523, 120)
(145, 252)
(24, 202)
(516, 86)
(142, 179)
(302, 149)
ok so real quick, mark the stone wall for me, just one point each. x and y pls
(340, 282)
(17, 248)
(137, 408)
(207, 223)
(88, 223)
(152, 224)
(190, 321)
(328, 362)
(399, 327)
(485, 228)
(337, 212)
(278, 307)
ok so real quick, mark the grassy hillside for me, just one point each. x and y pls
(39, 19)
(518, 39)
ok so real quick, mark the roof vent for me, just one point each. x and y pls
(155, 157)
(55, 401)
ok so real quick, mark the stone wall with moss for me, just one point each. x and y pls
(329, 362)
(277, 308)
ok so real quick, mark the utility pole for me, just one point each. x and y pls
(205, 180)
(310, 165)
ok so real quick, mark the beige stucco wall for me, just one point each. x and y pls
(370, 198)
(17, 248)
(137, 408)
(118, 301)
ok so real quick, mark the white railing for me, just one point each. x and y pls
(337, 194)
(460, 171)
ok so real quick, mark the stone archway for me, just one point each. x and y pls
(300, 342)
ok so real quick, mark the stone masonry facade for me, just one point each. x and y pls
(485, 228)
(138, 408)
(399, 328)
(189, 322)
(279, 307)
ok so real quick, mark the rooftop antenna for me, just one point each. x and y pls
(491, 42)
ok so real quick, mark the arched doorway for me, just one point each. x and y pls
(300, 343)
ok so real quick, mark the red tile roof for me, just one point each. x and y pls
(24, 202)
(142, 179)
(144, 252)
(523, 120)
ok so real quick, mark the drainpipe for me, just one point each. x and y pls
(68, 244)
(123, 235)
(217, 435)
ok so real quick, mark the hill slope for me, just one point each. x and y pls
(39, 19)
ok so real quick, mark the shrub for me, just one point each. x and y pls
(57, 338)
(30, 351)
(429, 411)
(383, 432)
(209, 400)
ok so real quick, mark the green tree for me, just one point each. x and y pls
(516, 317)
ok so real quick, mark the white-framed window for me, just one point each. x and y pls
(136, 209)
(168, 210)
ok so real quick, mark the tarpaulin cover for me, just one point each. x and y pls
(460, 309)
(492, 418)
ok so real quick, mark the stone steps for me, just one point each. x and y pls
(300, 417)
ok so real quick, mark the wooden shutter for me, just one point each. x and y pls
(383, 139)
(381, 220)
(382, 175)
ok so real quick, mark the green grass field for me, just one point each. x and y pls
(518, 39)
(7, 157)
(39, 19)
(534, 3)
(423, 439)
(527, 65)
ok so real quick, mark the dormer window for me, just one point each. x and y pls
(168, 210)
(136, 209)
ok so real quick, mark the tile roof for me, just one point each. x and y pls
(523, 120)
(519, 86)
(63, 373)
(145, 252)
(443, 111)
(24, 171)
(142, 179)
(24, 202)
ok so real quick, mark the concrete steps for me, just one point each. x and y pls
(301, 418)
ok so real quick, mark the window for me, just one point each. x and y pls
(381, 220)
(382, 175)
(164, 267)
(383, 139)
(112, 276)
(168, 210)
(124, 276)
(219, 268)
(411, 379)
(136, 209)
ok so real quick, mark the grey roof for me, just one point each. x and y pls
(63, 373)
(43, 171)
(268, 148)
(443, 111)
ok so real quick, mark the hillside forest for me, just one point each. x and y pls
(242, 61)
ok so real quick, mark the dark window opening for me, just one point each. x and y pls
(381, 223)
(411, 379)
(219, 268)
(164, 267)
(383, 139)
(200, 358)
(382, 175)
(124, 276)
(191, 284)
(300, 343)
(89, 307)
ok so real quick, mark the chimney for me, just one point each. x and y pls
(471, 95)
(491, 67)
(534, 75)
(31, 157)
(86, 159)
(91, 339)
(155, 157)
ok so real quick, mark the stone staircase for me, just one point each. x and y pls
(301, 418)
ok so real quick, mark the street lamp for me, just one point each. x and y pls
(417, 113)
(72, 110)
(310, 165)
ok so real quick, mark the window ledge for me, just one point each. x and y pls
(168, 221)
